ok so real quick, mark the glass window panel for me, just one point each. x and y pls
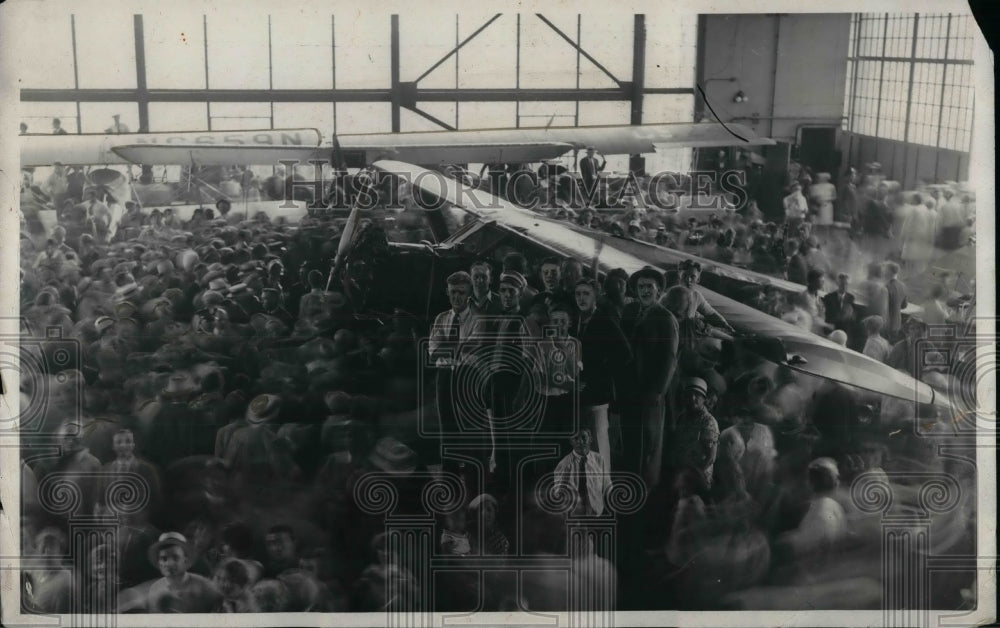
(301, 57)
(177, 116)
(45, 48)
(105, 61)
(233, 116)
(175, 52)
(38, 116)
(237, 51)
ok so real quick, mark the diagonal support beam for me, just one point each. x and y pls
(456, 48)
(583, 52)
(423, 114)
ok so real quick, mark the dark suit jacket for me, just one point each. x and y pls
(654, 338)
(606, 353)
(840, 318)
(588, 171)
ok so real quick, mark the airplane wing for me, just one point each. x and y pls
(537, 144)
(663, 255)
(429, 148)
(152, 154)
(806, 352)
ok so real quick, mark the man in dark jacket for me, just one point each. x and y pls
(653, 333)
(589, 173)
(839, 307)
(606, 352)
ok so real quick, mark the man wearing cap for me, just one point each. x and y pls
(589, 173)
(654, 336)
(516, 262)
(179, 591)
(606, 352)
(484, 302)
(450, 334)
(695, 439)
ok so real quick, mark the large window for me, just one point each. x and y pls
(909, 78)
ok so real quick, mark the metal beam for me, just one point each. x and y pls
(919, 60)
(570, 41)
(517, 75)
(76, 72)
(456, 48)
(510, 95)
(881, 79)
(338, 95)
(909, 100)
(699, 73)
(423, 114)
(394, 72)
(208, 103)
(638, 66)
(142, 96)
(944, 80)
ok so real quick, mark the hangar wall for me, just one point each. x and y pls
(803, 84)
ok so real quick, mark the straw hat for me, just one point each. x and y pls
(392, 456)
(263, 408)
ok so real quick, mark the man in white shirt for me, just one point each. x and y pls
(581, 473)
(450, 334)
(117, 127)
(796, 207)
(179, 591)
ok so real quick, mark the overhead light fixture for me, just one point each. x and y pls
(740, 97)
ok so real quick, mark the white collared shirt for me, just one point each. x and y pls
(598, 482)
(441, 329)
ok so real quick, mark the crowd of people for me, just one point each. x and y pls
(247, 404)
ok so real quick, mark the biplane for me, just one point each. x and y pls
(470, 223)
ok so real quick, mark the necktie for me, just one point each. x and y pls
(453, 333)
(582, 486)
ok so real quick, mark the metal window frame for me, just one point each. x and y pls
(949, 131)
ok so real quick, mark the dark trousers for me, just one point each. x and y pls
(642, 438)
(461, 423)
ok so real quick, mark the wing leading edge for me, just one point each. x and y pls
(819, 356)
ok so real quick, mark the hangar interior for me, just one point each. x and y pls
(893, 88)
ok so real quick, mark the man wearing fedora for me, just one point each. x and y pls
(653, 334)
(254, 453)
(179, 591)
